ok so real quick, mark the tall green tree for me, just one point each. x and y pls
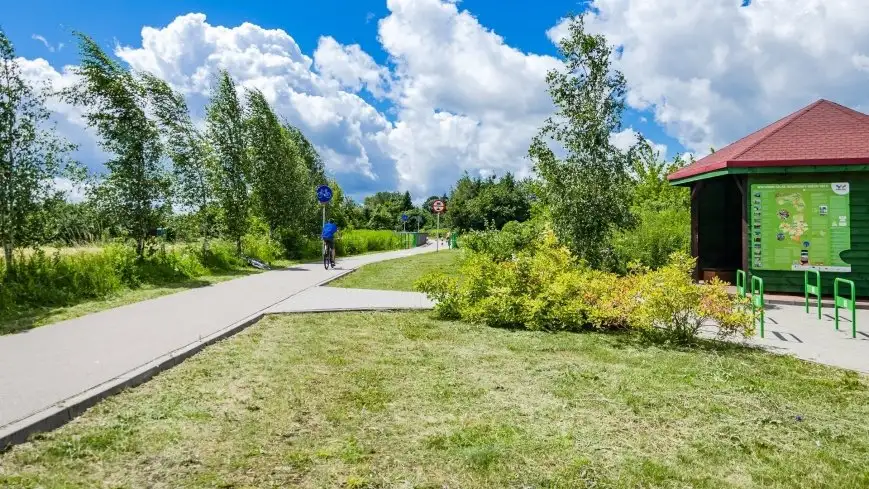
(316, 167)
(280, 177)
(193, 158)
(477, 203)
(343, 210)
(226, 133)
(116, 103)
(588, 190)
(651, 187)
(662, 214)
(31, 155)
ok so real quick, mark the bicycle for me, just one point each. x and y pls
(327, 254)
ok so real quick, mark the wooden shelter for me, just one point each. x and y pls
(790, 197)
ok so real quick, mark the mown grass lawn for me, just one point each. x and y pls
(382, 400)
(400, 273)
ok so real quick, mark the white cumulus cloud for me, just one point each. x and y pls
(455, 97)
(712, 71)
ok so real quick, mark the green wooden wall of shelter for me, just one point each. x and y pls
(821, 143)
(857, 256)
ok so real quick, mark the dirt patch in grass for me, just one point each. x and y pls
(400, 400)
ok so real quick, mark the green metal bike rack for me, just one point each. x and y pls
(757, 303)
(812, 289)
(740, 283)
(850, 304)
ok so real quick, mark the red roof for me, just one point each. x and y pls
(824, 133)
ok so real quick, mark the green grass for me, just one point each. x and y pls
(400, 273)
(40, 316)
(379, 400)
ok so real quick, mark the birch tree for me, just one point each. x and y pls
(225, 122)
(136, 186)
(280, 178)
(588, 190)
(193, 158)
(31, 155)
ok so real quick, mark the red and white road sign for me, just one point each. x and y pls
(438, 206)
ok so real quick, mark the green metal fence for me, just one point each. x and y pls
(847, 303)
(812, 289)
(757, 304)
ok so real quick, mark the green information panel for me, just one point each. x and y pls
(800, 226)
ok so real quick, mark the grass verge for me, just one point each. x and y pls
(400, 273)
(41, 316)
(399, 400)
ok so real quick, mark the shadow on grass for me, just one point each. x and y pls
(636, 340)
(29, 318)
(624, 338)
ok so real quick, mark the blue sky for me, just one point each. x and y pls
(701, 72)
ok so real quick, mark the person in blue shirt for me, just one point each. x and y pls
(329, 231)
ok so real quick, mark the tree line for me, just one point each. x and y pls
(244, 165)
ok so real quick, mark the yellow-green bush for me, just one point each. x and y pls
(671, 305)
(545, 288)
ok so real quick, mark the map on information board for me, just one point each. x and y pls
(800, 226)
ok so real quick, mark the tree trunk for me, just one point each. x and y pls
(140, 246)
(7, 253)
(238, 245)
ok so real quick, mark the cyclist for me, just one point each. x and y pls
(329, 230)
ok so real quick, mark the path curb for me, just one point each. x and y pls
(352, 309)
(68, 409)
(54, 417)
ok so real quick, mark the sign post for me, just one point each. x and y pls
(404, 227)
(438, 208)
(324, 195)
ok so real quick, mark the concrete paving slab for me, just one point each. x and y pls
(800, 300)
(790, 330)
(53, 371)
(321, 299)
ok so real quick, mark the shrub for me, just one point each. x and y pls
(502, 245)
(543, 287)
(359, 241)
(221, 256)
(349, 242)
(659, 233)
(42, 280)
(261, 247)
(670, 306)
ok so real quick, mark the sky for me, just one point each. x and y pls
(409, 94)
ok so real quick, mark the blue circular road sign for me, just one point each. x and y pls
(324, 194)
(404, 217)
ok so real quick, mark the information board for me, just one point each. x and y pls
(800, 226)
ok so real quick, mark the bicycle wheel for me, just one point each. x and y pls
(326, 256)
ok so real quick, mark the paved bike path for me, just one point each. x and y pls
(334, 299)
(49, 373)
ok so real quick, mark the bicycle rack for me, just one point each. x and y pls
(846, 303)
(757, 303)
(811, 289)
(740, 283)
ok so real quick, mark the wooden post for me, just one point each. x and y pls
(695, 226)
(742, 183)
